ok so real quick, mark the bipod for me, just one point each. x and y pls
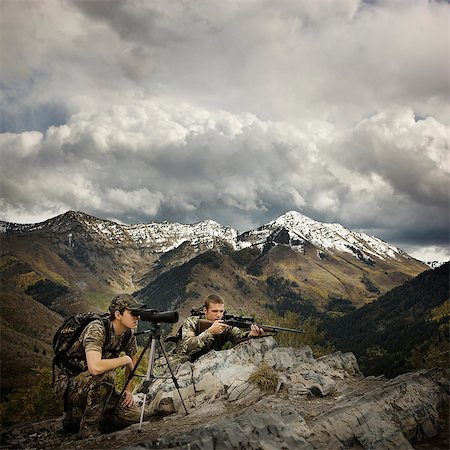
(153, 340)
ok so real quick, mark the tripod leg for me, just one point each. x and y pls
(174, 379)
(148, 376)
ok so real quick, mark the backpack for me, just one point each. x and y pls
(69, 332)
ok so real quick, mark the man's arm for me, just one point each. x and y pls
(97, 365)
(128, 394)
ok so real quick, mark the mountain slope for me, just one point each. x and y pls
(411, 318)
(27, 329)
(184, 287)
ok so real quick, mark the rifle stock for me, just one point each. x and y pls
(204, 324)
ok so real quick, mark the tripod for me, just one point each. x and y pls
(153, 340)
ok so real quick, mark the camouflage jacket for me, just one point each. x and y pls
(93, 338)
(194, 344)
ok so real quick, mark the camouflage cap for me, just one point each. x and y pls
(124, 301)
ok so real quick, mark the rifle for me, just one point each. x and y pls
(239, 322)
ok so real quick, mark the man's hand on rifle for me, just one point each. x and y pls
(218, 327)
(255, 331)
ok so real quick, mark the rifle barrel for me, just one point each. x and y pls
(247, 324)
(275, 328)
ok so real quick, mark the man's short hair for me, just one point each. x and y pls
(213, 299)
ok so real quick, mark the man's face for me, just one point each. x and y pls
(215, 311)
(130, 319)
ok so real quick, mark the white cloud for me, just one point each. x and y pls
(17, 146)
(153, 156)
(119, 200)
(429, 253)
(409, 155)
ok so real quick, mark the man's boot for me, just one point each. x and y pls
(71, 421)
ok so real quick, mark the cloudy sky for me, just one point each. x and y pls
(231, 110)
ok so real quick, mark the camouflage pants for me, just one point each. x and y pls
(92, 402)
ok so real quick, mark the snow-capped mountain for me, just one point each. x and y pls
(159, 237)
(329, 237)
(292, 229)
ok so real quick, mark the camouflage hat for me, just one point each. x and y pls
(124, 301)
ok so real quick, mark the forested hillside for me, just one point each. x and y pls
(405, 329)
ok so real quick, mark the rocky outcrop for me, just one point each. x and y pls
(322, 403)
(225, 374)
(388, 416)
(380, 414)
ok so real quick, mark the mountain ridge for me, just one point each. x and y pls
(161, 237)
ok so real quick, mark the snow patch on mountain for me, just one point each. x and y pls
(168, 235)
(435, 264)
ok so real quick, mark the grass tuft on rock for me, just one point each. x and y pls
(265, 377)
